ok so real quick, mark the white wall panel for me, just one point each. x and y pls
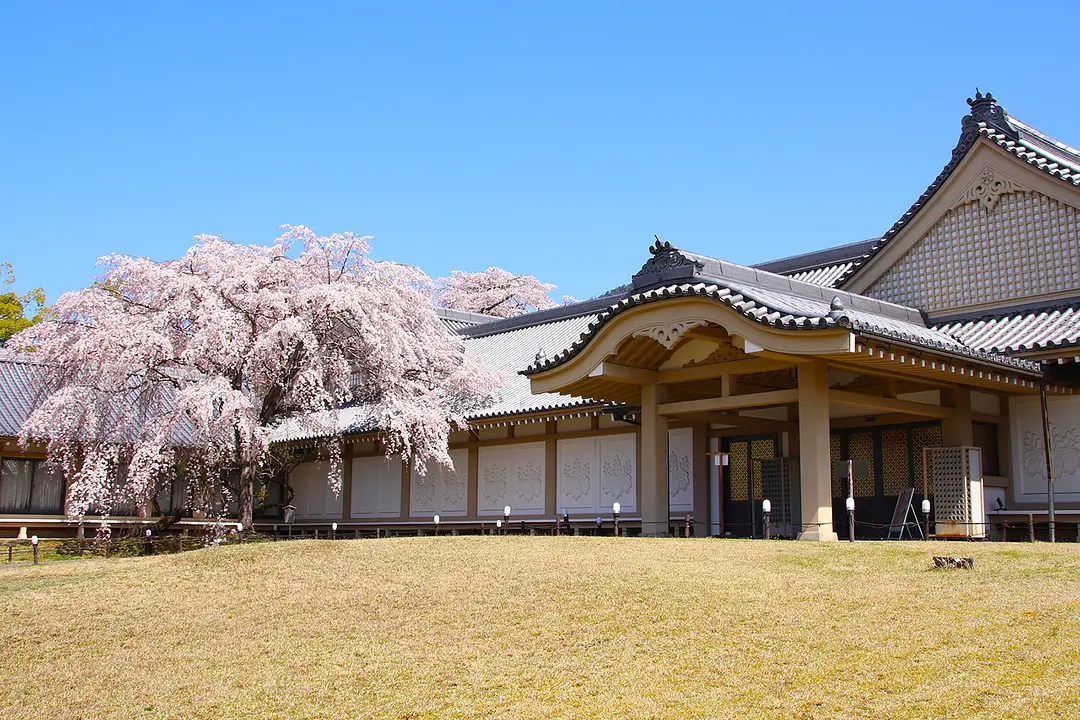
(376, 487)
(511, 475)
(578, 475)
(1029, 459)
(595, 472)
(442, 491)
(314, 499)
(618, 472)
(681, 470)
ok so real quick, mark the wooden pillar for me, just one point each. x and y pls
(815, 473)
(956, 431)
(474, 481)
(654, 462)
(551, 476)
(347, 450)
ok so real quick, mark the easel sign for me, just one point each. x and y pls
(905, 508)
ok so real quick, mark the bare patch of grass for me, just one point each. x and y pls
(547, 628)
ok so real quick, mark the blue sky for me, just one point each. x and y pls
(547, 138)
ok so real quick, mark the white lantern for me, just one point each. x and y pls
(506, 511)
(498, 523)
(926, 507)
(766, 505)
(239, 527)
(436, 519)
(850, 504)
(147, 532)
(333, 526)
(616, 508)
(33, 539)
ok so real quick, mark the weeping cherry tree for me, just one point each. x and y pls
(205, 355)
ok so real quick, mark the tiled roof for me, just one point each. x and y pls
(821, 267)
(458, 320)
(1019, 331)
(505, 352)
(990, 121)
(16, 393)
(777, 301)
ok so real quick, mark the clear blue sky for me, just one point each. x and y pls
(546, 138)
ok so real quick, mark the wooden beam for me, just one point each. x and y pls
(884, 404)
(748, 422)
(715, 370)
(735, 402)
(623, 373)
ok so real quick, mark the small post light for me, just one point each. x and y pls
(926, 516)
(766, 512)
(599, 524)
(148, 545)
(147, 532)
(436, 521)
(333, 531)
(498, 527)
(34, 542)
(616, 508)
(850, 505)
(239, 527)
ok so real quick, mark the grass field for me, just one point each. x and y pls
(525, 627)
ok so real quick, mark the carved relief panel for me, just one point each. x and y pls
(681, 470)
(440, 490)
(596, 472)
(511, 475)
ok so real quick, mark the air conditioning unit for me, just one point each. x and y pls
(953, 477)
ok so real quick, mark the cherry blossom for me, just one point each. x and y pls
(494, 292)
(200, 358)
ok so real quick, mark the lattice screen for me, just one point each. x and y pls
(926, 436)
(737, 471)
(776, 485)
(834, 457)
(948, 484)
(974, 255)
(895, 467)
(761, 450)
(861, 447)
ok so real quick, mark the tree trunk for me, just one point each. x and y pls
(247, 494)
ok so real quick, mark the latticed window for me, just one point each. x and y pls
(861, 447)
(926, 436)
(835, 457)
(763, 449)
(738, 471)
(895, 468)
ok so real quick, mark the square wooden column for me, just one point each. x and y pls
(957, 431)
(654, 462)
(815, 471)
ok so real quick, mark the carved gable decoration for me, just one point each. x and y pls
(988, 188)
(667, 263)
(669, 335)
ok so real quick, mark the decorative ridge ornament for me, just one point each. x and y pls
(984, 111)
(667, 263)
(836, 308)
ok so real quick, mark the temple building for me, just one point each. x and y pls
(906, 366)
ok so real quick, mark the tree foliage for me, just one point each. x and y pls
(205, 355)
(494, 292)
(18, 312)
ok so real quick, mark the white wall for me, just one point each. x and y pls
(595, 472)
(681, 470)
(1029, 459)
(376, 487)
(314, 500)
(442, 491)
(511, 475)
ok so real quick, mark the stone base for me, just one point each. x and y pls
(819, 536)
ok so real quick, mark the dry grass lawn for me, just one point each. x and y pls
(524, 627)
